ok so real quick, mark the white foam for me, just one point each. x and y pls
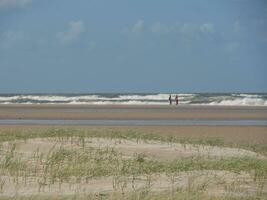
(49, 98)
(9, 98)
(241, 102)
(248, 95)
(138, 99)
(143, 97)
(53, 98)
(127, 103)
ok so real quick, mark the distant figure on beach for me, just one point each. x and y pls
(176, 99)
(170, 99)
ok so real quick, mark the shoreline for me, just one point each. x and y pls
(249, 134)
(127, 122)
(131, 112)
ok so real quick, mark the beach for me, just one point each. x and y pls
(121, 161)
(256, 134)
(141, 112)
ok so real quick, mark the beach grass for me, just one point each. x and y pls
(127, 134)
(70, 160)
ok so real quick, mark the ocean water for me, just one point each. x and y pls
(227, 99)
(167, 122)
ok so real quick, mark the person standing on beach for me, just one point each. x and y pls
(170, 99)
(176, 99)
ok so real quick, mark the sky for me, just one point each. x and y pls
(87, 46)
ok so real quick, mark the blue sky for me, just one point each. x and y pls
(133, 46)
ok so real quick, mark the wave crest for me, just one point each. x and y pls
(138, 99)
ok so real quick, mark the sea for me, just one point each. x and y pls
(211, 99)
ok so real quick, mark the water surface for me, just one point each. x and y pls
(196, 122)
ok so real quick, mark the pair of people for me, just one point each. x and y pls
(176, 99)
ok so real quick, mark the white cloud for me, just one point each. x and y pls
(187, 29)
(236, 26)
(207, 28)
(137, 28)
(12, 35)
(232, 46)
(5, 4)
(189, 32)
(160, 28)
(193, 29)
(10, 38)
(73, 33)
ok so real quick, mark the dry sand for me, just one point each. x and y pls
(243, 134)
(215, 180)
(155, 149)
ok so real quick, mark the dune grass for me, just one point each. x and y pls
(64, 165)
(61, 133)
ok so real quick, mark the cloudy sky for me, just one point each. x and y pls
(133, 46)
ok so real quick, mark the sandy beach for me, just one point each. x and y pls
(251, 134)
(255, 134)
(159, 152)
(131, 112)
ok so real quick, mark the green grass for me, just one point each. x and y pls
(61, 133)
(61, 164)
(65, 165)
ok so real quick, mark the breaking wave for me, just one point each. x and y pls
(227, 99)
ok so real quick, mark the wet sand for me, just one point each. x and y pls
(251, 134)
(113, 112)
